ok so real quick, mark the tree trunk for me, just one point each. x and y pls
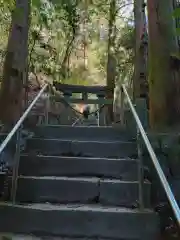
(163, 87)
(15, 65)
(140, 76)
(85, 41)
(111, 62)
(67, 55)
(138, 20)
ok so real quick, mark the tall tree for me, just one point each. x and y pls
(140, 75)
(15, 64)
(163, 84)
(72, 17)
(111, 61)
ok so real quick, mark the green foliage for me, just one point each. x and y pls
(55, 26)
(7, 4)
(52, 24)
(176, 12)
(176, 15)
(177, 31)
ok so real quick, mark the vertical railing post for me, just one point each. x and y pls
(167, 188)
(16, 165)
(85, 97)
(47, 107)
(122, 107)
(98, 116)
(66, 117)
(140, 171)
(101, 113)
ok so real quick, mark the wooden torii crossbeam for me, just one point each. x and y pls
(99, 91)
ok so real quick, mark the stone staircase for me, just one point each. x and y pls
(80, 182)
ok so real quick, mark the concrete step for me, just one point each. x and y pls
(79, 221)
(82, 132)
(87, 122)
(111, 149)
(124, 169)
(10, 236)
(2, 179)
(80, 190)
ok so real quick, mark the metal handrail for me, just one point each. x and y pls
(154, 159)
(17, 129)
(22, 118)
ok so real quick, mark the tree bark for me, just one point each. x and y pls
(15, 65)
(138, 20)
(140, 83)
(163, 84)
(111, 62)
(85, 42)
(69, 48)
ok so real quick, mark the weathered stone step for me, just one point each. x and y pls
(10, 236)
(111, 149)
(87, 122)
(80, 190)
(124, 169)
(82, 132)
(2, 179)
(79, 221)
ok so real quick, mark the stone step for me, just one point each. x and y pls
(124, 169)
(82, 132)
(80, 190)
(10, 236)
(79, 221)
(2, 179)
(87, 122)
(111, 149)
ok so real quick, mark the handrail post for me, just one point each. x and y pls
(16, 165)
(122, 108)
(98, 118)
(140, 172)
(161, 175)
(17, 129)
(47, 104)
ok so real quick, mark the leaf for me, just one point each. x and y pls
(36, 3)
(7, 3)
(176, 13)
(177, 31)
